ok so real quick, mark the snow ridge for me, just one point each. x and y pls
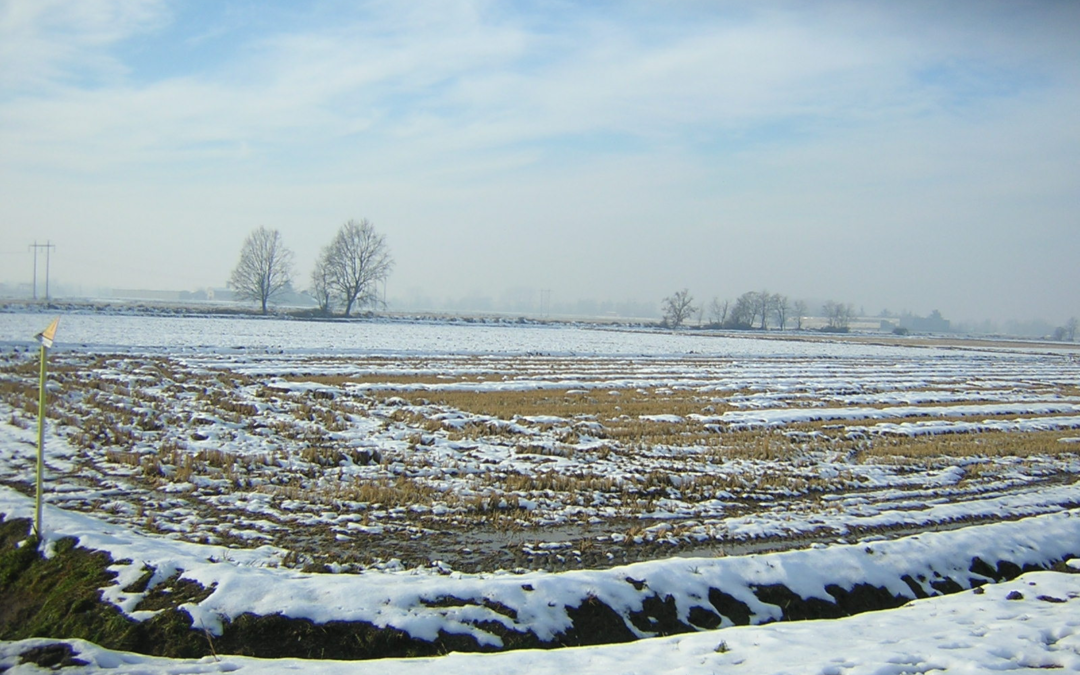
(415, 601)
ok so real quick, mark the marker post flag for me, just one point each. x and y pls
(46, 338)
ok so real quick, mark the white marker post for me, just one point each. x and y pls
(46, 338)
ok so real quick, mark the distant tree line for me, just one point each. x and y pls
(753, 310)
(1067, 333)
(346, 275)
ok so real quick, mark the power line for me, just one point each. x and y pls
(48, 246)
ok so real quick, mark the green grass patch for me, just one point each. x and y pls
(60, 597)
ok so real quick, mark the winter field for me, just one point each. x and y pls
(487, 486)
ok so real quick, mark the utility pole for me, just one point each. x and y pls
(48, 246)
(34, 249)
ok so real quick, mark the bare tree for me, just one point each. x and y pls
(781, 308)
(718, 311)
(745, 310)
(764, 308)
(799, 307)
(322, 287)
(678, 308)
(357, 260)
(838, 315)
(264, 269)
(1071, 327)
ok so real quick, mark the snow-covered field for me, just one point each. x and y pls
(502, 446)
(427, 460)
(256, 334)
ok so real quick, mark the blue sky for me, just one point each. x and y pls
(902, 155)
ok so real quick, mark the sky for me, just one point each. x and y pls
(895, 155)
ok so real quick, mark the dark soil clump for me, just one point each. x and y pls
(794, 606)
(595, 623)
(728, 606)
(53, 656)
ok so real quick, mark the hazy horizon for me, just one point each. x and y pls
(530, 304)
(903, 156)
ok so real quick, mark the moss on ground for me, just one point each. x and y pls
(60, 597)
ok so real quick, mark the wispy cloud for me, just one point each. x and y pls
(50, 43)
(831, 118)
(469, 75)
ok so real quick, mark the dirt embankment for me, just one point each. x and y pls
(59, 596)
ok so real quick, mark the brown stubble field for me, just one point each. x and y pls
(555, 462)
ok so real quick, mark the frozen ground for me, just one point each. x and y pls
(1025, 625)
(473, 456)
(503, 447)
(116, 327)
(1030, 625)
(257, 334)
